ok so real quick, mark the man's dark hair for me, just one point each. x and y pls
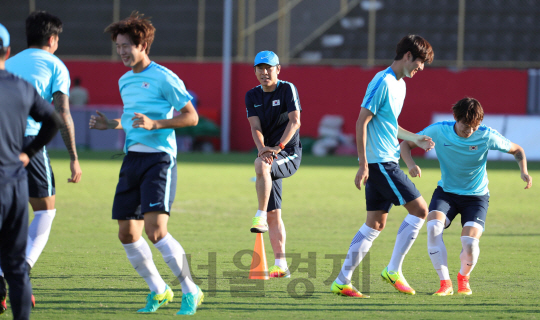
(2, 49)
(469, 110)
(138, 28)
(40, 26)
(418, 46)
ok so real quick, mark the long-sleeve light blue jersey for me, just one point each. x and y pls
(463, 160)
(384, 98)
(153, 92)
(45, 72)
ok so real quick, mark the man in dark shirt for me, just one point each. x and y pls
(18, 100)
(273, 110)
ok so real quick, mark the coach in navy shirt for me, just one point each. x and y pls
(273, 110)
(18, 100)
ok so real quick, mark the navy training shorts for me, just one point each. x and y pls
(388, 185)
(40, 175)
(147, 183)
(286, 164)
(471, 208)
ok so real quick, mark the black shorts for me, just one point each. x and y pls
(471, 208)
(147, 183)
(387, 184)
(286, 164)
(40, 174)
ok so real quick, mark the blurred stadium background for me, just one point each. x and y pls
(330, 49)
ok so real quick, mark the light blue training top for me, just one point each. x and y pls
(45, 72)
(384, 98)
(463, 160)
(153, 92)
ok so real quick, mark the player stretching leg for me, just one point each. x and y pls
(377, 133)
(147, 183)
(273, 111)
(462, 146)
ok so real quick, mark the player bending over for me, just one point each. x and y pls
(147, 183)
(462, 146)
(377, 133)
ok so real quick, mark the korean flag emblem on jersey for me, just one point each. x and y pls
(473, 148)
(145, 85)
(275, 103)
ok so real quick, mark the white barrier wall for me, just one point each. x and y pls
(523, 130)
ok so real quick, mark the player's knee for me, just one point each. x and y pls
(155, 234)
(126, 238)
(261, 167)
(470, 245)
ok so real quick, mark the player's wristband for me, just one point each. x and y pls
(281, 146)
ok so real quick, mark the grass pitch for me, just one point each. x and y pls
(83, 272)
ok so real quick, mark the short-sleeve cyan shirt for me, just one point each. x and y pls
(45, 71)
(154, 92)
(384, 98)
(463, 160)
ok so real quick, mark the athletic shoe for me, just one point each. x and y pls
(33, 301)
(446, 289)
(259, 225)
(190, 302)
(346, 290)
(463, 285)
(154, 301)
(397, 280)
(3, 295)
(277, 272)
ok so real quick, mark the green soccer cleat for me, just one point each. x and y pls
(397, 280)
(277, 272)
(190, 302)
(154, 301)
(346, 290)
(259, 225)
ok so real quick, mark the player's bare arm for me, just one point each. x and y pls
(406, 147)
(421, 141)
(258, 138)
(290, 130)
(67, 130)
(519, 154)
(101, 122)
(362, 175)
(187, 118)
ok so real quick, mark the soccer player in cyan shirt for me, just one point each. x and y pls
(462, 146)
(40, 67)
(377, 133)
(147, 183)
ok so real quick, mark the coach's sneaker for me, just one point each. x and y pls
(463, 285)
(190, 302)
(277, 272)
(446, 289)
(346, 290)
(259, 225)
(154, 301)
(397, 281)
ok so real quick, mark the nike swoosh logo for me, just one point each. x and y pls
(154, 204)
(432, 253)
(257, 105)
(447, 145)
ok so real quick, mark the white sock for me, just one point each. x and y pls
(261, 214)
(38, 234)
(469, 254)
(358, 249)
(140, 256)
(404, 240)
(282, 263)
(437, 249)
(175, 257)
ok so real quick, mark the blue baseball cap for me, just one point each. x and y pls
(267, 57)
(4, 35)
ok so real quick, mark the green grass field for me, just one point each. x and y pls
(83, 272)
